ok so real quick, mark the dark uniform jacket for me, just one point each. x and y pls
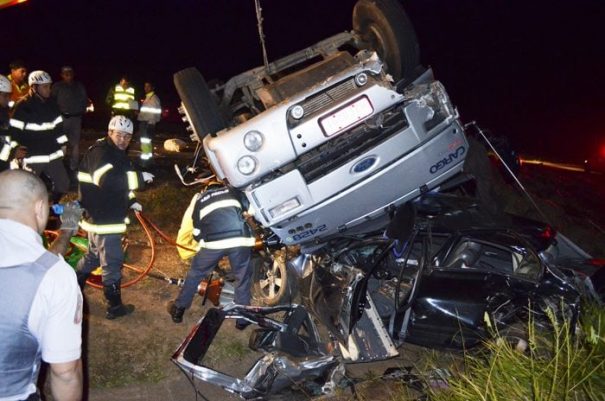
(218, 222)
(5, 140)
(37, 124)
(107, 181)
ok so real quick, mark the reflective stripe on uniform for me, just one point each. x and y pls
(145, 140)
(62, 139)
(5, 152)
(219, 205)
(146, 156)
(121, 105)
(6, 148)
(131, 195)
(17, 123)
(44, 158)
(47, 126)
(228, 243)
(100, 172)
(133, 180)
(103, 228)
(151, 110)
(84, 177)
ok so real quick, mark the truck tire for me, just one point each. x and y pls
(201, 109)
(383, 26)
(271, 281)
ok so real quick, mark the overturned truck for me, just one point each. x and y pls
(340, 148)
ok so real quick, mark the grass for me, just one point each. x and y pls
(557, 366)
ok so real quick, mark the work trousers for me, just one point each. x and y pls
(104, 250)
(146, 134)
(73, 130)
(204, 262)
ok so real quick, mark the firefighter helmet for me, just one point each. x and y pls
(5, 85)
(121, 123)
(39, 77)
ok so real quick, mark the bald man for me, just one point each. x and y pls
(40, 301)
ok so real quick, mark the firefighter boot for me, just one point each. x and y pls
(175, 312)
(115, 307)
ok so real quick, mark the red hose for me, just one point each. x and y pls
(145, 223)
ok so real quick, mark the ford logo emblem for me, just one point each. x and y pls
(364, 165)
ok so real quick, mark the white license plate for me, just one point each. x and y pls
(346, 117)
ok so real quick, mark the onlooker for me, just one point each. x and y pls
(121, 98)
(149, 114)
(5, 139)
(37, 125)
(18, 78)
(221, 230)
(72, 100)
(107, 179)
(41, 304)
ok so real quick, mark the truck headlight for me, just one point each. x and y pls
(361, 79)
(297, 112)
(253, 141)
(284, 207)
(246, 165)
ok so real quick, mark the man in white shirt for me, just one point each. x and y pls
(40, 301)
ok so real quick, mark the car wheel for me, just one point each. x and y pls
(271, 281)
(201, 109)
(516, 335)
(383, 26)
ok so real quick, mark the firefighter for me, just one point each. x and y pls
(220, 229)
(149, 115)
(121, 99)
(5, 139)
(37, 125)
(107, 180)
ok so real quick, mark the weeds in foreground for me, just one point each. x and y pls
(556, 366)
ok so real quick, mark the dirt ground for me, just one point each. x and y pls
(129, 358)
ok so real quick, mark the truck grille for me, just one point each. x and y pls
(323, 99)
(347, 146)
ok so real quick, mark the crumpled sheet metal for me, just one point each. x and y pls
(275, 371)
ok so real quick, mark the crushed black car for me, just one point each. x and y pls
(444, 274)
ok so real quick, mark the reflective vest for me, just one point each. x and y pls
(123, 99)
(218, 222)
(19, 91)
(20, 358)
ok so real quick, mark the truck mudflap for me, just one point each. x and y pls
(293, 352)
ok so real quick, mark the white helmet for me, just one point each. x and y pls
(121, 123)
(5, 85)
(38, 78)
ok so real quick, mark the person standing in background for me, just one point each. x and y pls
(149, 115)
(71, 98)
(18, 79)
(122, 99)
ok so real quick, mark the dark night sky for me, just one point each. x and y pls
(528, 69)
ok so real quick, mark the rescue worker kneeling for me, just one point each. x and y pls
(107, 180)
(221, 230)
